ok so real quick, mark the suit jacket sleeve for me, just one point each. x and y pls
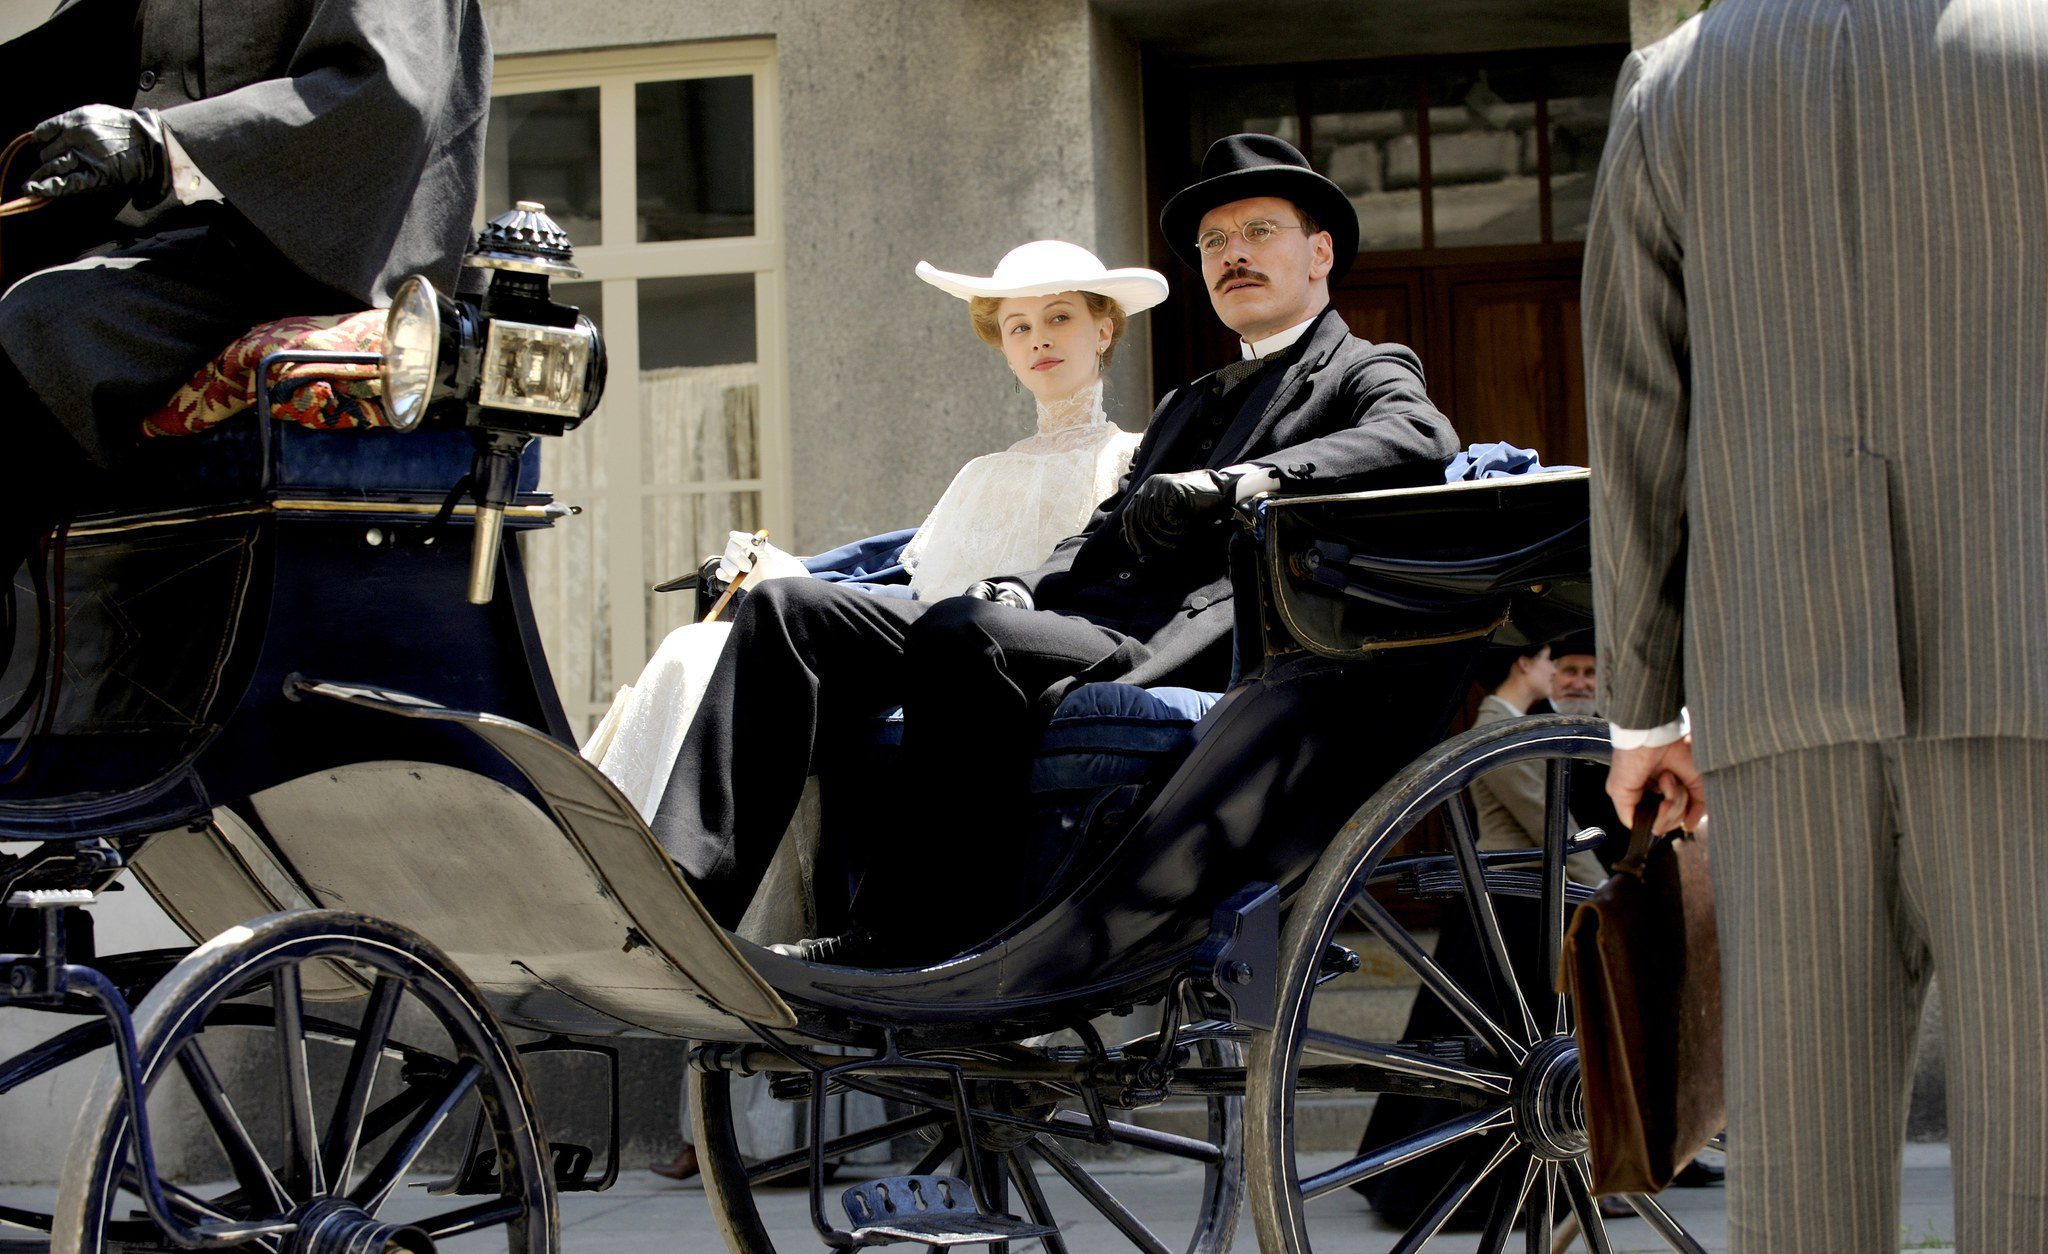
(1395, 429)
(382, 102)
(1638, 401)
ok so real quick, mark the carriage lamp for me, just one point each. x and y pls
(501, 357)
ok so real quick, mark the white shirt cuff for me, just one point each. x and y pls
(1652, 737)
(189, 184)
(1256, 479)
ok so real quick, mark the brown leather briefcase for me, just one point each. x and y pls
(1642, 965)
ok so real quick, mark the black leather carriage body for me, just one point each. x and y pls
(171, 591)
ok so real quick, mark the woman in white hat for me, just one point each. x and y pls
(1056, 313)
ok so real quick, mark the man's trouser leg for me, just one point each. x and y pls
(1845, 876)
(105, 340)
(807, 663)
(1975, 863)
(974, 673)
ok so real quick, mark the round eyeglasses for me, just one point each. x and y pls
(1255, 232)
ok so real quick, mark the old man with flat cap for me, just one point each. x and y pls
(1142, 595)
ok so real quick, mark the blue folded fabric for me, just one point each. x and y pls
(875, 560)
(1497, 461)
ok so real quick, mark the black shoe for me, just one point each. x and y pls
(1699, 1175)
(845, 949)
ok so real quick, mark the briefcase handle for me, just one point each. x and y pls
(1640, 839)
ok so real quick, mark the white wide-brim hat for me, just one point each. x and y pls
(1046, 266)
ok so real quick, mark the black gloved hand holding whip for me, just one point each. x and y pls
(102, 147)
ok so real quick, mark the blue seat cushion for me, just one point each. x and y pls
(1103, 735)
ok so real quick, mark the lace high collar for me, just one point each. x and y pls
(1082, 408)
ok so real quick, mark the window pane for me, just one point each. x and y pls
(680, 530)
(1359, 128)
(699, 385)
(1483, 157)
(1581, 95)
(543, 146)
(694, 141)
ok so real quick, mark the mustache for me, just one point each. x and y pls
(1233, 275)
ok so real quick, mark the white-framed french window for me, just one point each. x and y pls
(662, 163)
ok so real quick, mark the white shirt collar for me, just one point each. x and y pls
(1278, 340)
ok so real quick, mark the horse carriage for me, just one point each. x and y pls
(254, 683)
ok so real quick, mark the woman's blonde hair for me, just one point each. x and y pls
(982, 312)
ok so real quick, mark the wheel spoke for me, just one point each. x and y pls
(1101, 1199)
(1035, 1206)
(1434, 977)
(1407, 1062)
(377, 1185)
(1665, 1225)
(1449, 1199)
(190, 1208)
(308, 1180)
(251, 1172)
(800, 1160)
(1479, 903)
(1542, 1211)
(344, 1134)
(1500, 1221)
(472, 1218)
(1075, 1124)
(1577, 1188)
(1388, 1157)
(1557, 835)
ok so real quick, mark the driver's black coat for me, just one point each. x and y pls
(346, 137)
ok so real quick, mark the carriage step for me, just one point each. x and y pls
(928, 1210)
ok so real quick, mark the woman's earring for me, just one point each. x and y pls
(1098, 361)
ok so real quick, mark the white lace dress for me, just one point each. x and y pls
(1001, 515)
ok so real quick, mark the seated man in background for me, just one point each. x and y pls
(1575, 689)
(1510, 799)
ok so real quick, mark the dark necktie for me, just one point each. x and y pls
(1237, 372)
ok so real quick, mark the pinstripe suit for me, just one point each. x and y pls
(1816, 319)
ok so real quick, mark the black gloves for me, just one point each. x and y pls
(100, 147)
(1001, 593)
(1165, 509)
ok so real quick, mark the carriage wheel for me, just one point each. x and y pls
(1506, 1132)
(1049, 1177)
(330, 1179)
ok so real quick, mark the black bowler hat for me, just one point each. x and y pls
(1239, 167)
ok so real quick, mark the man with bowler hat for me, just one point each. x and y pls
(1142, 595)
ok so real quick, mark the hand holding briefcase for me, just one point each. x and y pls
(1642, 963)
